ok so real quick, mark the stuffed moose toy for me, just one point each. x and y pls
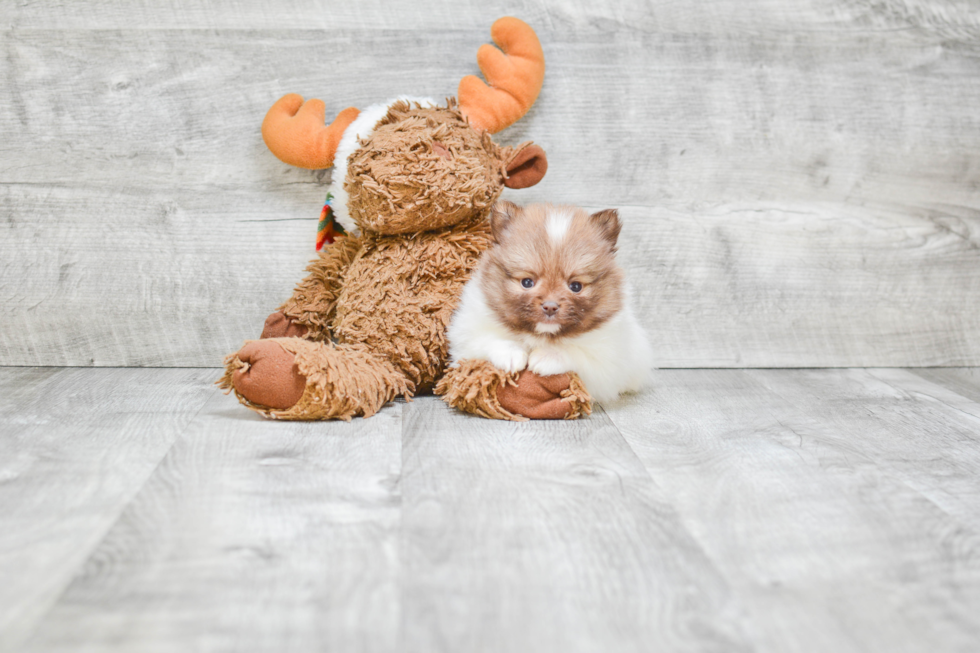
(413, 186)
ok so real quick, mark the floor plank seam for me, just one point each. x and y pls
(957, 409)
(888, 470)
(123, 507)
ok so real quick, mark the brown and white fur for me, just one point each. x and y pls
(550, 297)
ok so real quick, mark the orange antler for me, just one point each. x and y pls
(515, 77)
(295, 132)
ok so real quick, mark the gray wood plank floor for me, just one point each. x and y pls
(720, 510)
(75, 447)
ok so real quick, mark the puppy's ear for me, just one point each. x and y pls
(608, 223)
(501, 215)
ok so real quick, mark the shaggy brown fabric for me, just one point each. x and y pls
(472, 387)
(342, 381)
(389, 318)
(400, 294)
(577, 396)
(377, 305)
(399, 182)
(314, 302)
(477, 387)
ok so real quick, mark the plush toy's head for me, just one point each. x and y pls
(410, 165)
(425, 168)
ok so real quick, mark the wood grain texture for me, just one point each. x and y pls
(957, 19)
(546, 536)
(800, 180)
(163, 294)
(721, 510)
(251, 535)
(841, 505)
(75, 447)
(964, 381)
(755, 285)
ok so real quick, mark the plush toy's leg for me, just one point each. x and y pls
(311, 309)
(296, 379)
(477, 387)
(309, 312)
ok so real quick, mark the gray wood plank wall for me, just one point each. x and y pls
(800, 180)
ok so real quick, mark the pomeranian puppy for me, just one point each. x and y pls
(549, 297)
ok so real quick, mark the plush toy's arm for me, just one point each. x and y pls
(477, 387)
(310, 311)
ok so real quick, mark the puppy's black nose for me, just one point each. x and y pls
(549, 308)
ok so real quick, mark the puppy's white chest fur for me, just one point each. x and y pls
(614, 358)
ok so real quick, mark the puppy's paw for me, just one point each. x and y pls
(508, 357)
(545, 362)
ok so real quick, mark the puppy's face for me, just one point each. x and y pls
(553, 271)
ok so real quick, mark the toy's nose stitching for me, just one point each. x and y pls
(441, 150)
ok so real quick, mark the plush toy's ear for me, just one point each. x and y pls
(294, 131)
(526, 167)
(500, 217)
(608, 223)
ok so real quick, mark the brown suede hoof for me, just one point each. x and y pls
(270, 376)
(537, 397)
(278, 325)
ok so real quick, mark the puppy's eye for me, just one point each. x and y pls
(528, 282)
(575, 286)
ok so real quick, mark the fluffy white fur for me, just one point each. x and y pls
(362, 127)
(557, 225)
(612, 359)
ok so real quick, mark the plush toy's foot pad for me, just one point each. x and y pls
(278, 325)
(268, 375)
(559, 396)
